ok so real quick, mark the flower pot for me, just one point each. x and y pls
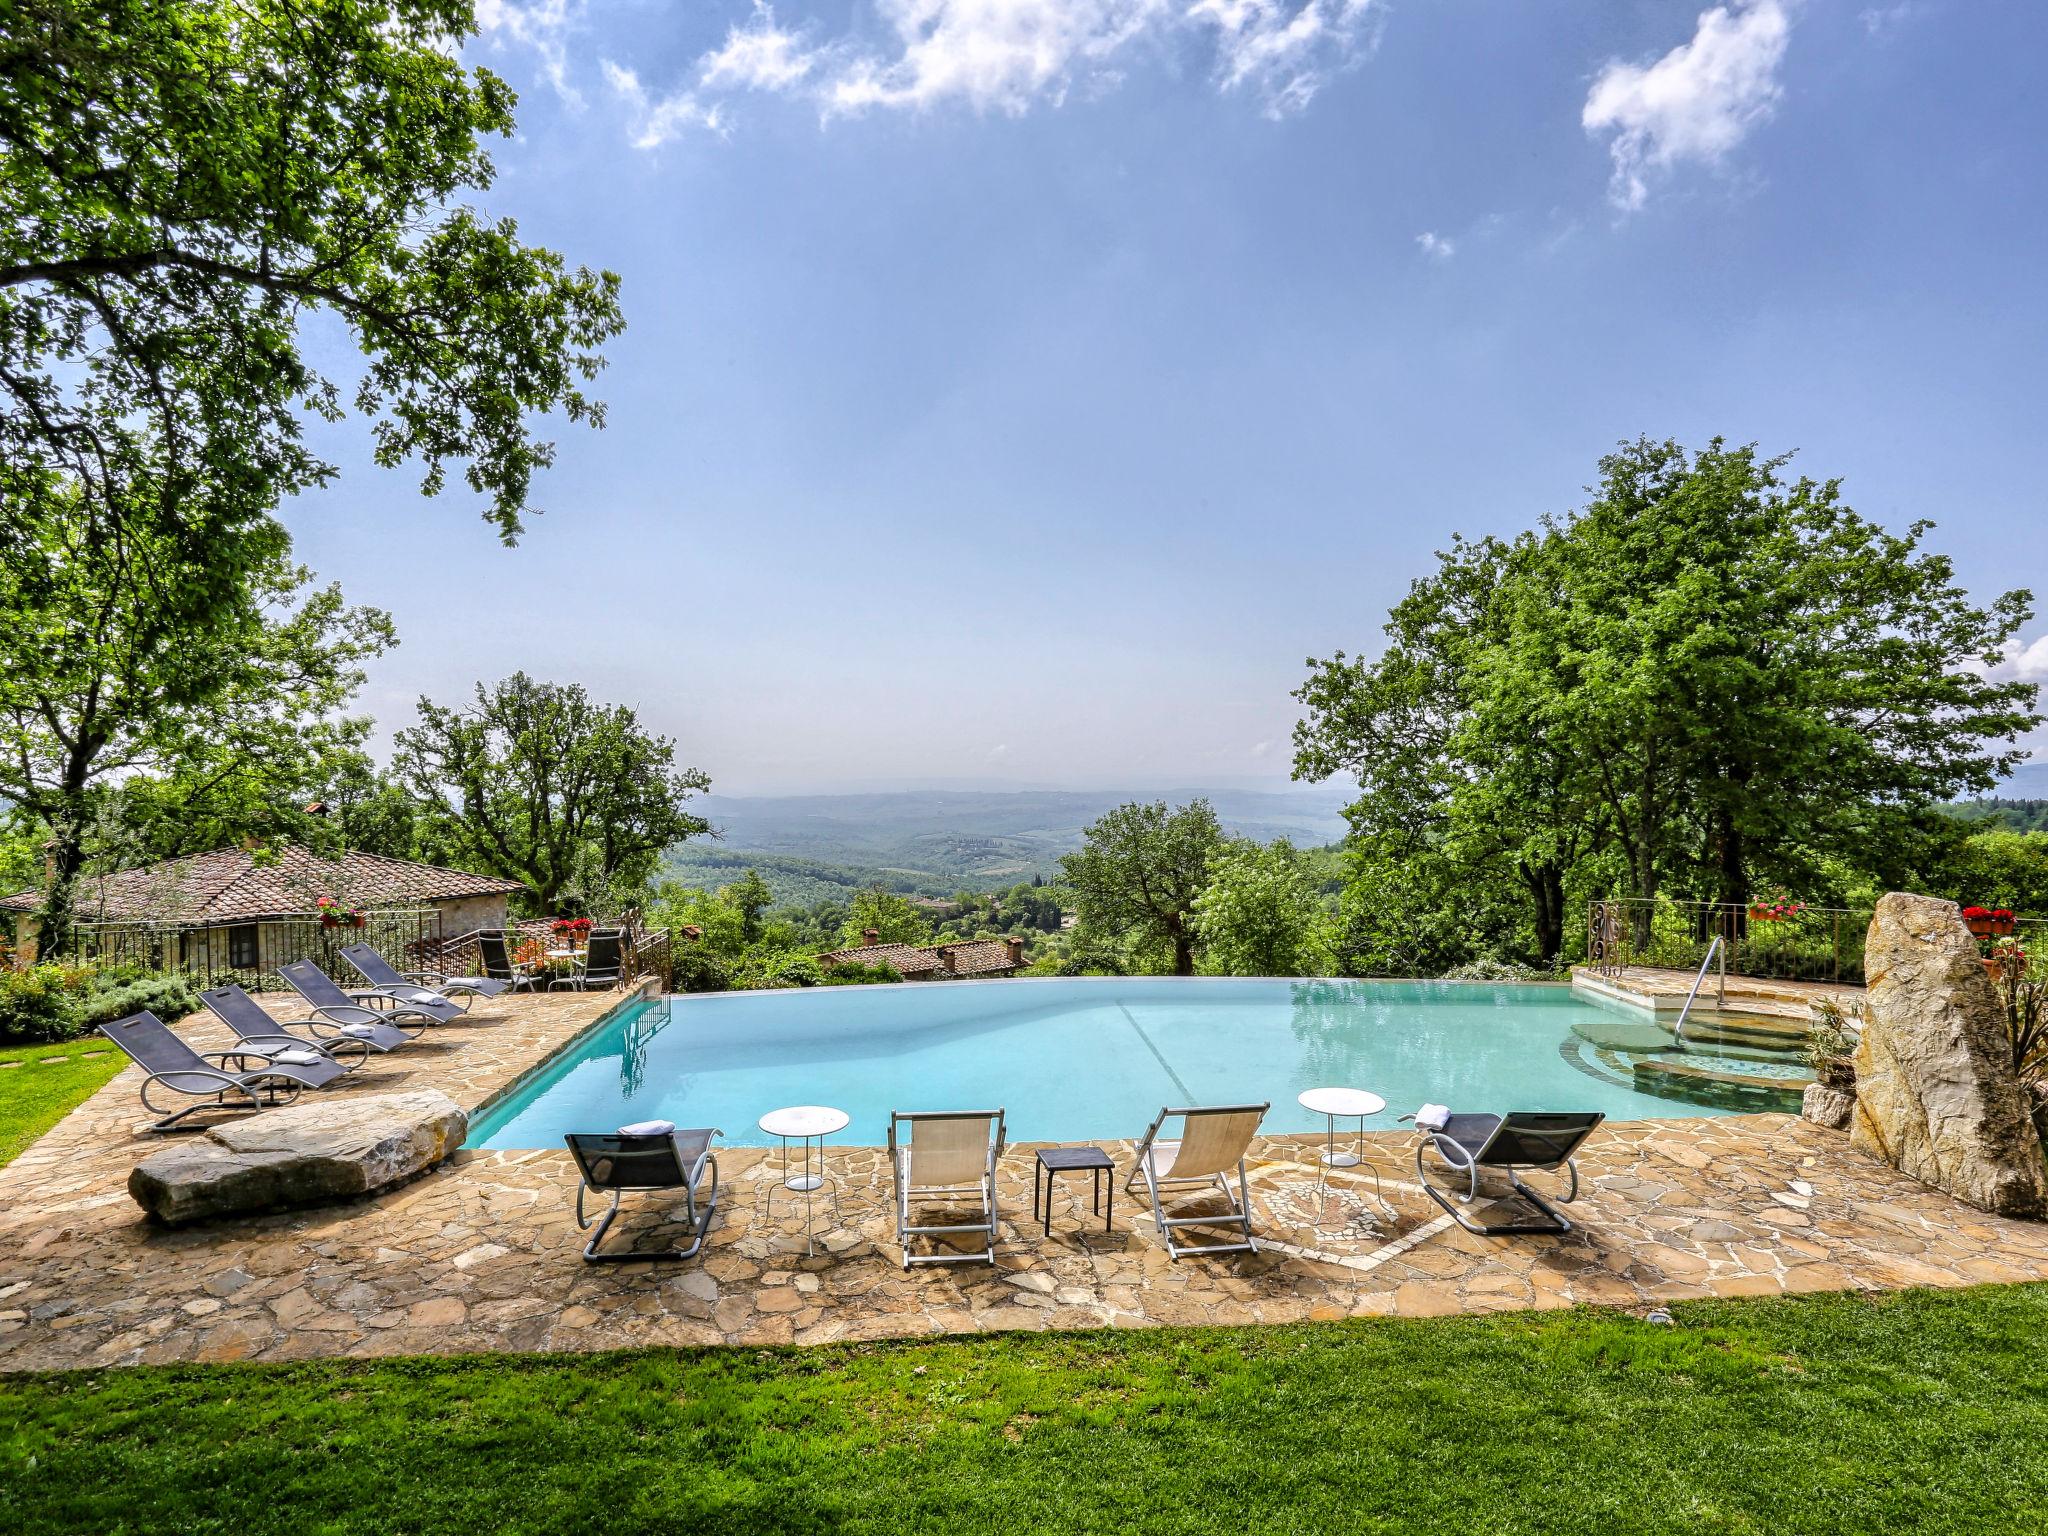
(2003, 927)
(1980, 926)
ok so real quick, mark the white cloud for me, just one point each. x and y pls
(1285, 53)
(1435, 246)
(2029, 664)
(762, 57)
(542, 25)
(1883, 20)
(655, 123)
(1694, 104)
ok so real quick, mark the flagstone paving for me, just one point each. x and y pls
(483, 1254)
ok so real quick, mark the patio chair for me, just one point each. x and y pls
(218, 1076)
(652, 1155)
(327, 999)
(498, 966)
(603, 963)
(247, 1018)
(420, 986)
(1524, 1140)
(951, 1156)
(1213, 1140)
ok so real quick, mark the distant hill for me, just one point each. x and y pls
(1998, 811)
(938, 841)
(795, 882)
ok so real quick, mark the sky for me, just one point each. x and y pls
(1019, 391)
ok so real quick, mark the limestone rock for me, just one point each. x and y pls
(1827, 1106)
(1936, 1094)
(310, 1153)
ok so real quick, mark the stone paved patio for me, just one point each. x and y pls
(483, 1254)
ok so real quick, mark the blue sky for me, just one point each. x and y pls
(1018, 390)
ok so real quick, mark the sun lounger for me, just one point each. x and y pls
(328, 1000)
(1213, 1141)
(653, 1155)
(420, 986)
(1527, 1140)
(339, 1038)
(224, 1079)
(950, 1156)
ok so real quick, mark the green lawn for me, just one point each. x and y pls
(38, 1093)
(1920, 1412)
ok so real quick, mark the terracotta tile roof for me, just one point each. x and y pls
(971, 957)
(231, 886)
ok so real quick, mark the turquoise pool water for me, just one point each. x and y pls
(1075, 1060)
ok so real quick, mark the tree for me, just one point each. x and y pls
(895, 920)
(537, 783)
(185, 184)
(1139, 871)
(106, 672)
(1259, 914)
(749, 896)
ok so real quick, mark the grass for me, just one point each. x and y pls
(1914, 1412)
(38, 1093)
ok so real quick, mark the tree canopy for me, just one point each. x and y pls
(1138, 872)
(539, 783)
(1711, 676)
(183, 186)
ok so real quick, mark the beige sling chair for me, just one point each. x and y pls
(950, 1156)
(1212, 1141)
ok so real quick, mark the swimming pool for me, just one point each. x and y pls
(1086, 1059)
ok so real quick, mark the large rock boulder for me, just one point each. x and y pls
(1936, 1093)
(307, 1154)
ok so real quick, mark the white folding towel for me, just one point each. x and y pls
(649, 1128)
(1432, 1117)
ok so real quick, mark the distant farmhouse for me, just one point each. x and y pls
(234, 909)
(960, 960)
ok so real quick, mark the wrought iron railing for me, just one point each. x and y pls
(1786, 941)
(251, 952)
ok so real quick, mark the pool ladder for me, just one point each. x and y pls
(1713, 949)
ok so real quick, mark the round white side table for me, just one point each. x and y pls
(807, 1123)
(1345, 1104)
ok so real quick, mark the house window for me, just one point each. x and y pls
(244, 954)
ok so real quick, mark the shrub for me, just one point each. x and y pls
(49, 1003)
(170, 997)
(1489, 968)
(697, 969)
(761, 967)
(859, 975)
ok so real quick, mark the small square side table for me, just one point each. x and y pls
(1090, 1160)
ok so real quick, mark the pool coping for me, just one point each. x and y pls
(644, 987)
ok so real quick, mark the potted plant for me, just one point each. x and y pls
(1774, 911)
(1978, 920)
(334, 915)
(2003, 922)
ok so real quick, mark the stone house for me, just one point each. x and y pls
(248, 910)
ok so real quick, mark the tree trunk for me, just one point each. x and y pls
(1183, 946)
(1546, 891)
(55, 922)
(1730, 861)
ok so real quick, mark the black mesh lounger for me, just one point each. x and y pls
(330, 1002)
(617, 1162)
(221, 1079)
(1532, 1140)
(420, 986)
(247, 1018)
(602, 964)
(498, 966)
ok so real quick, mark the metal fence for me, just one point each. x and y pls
(1770, 940)
(250, 953)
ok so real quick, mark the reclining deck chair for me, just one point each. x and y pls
(254, 1027)
(653, 1155)
(223, 1079)
(370, 1006)
(951, 1156)
(1213, 1140)
(1525, 1140)
(419, 986)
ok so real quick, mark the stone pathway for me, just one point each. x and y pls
(483, 1254)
